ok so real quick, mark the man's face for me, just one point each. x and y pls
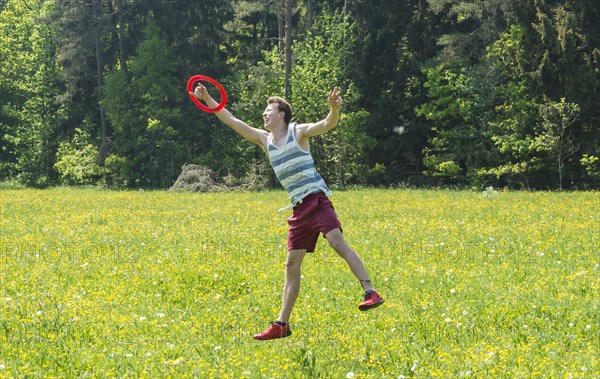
(271, 116)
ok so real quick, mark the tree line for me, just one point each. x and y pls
(471, 93)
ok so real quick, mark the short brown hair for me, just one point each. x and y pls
(282, 106)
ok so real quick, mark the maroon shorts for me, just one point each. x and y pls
(314, 215)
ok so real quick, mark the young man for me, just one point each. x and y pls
(287, 146)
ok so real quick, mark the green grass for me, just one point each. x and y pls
(97, 283)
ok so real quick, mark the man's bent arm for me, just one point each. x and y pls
(323, 126)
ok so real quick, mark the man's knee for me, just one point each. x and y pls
(338, 244)
(335, 243)
(294, 259)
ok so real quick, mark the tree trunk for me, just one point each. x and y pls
(121, 32)
(280, 34)
(288, 48)
(99, 69)
(309, 14)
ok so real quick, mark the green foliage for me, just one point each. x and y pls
(553, 138)
(77, 161)
(318, 68)
(28, 116)
(469, 82)
(456, 145)
(116, 171)
(515, 114)
(592, 167)
(143, 116)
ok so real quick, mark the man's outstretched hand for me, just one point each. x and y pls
(335, 99)
(200, 92)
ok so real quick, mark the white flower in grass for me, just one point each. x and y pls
(350, 375)
(2, 367)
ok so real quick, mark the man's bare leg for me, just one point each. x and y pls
(291, 287)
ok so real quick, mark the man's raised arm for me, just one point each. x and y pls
(255, 135)
(311, 130)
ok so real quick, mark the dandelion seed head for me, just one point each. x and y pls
(399, 129)
(350, 375)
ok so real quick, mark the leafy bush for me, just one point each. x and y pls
(77, 161)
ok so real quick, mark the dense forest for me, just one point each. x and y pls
(465, 93)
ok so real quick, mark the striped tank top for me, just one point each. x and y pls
(295, 168)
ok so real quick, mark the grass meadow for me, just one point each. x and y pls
(97, 283)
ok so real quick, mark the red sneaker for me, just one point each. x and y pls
(372, 300)
(274, 331)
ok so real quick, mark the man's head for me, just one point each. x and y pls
(282, 106)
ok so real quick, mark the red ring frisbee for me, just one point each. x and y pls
(190, 87)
